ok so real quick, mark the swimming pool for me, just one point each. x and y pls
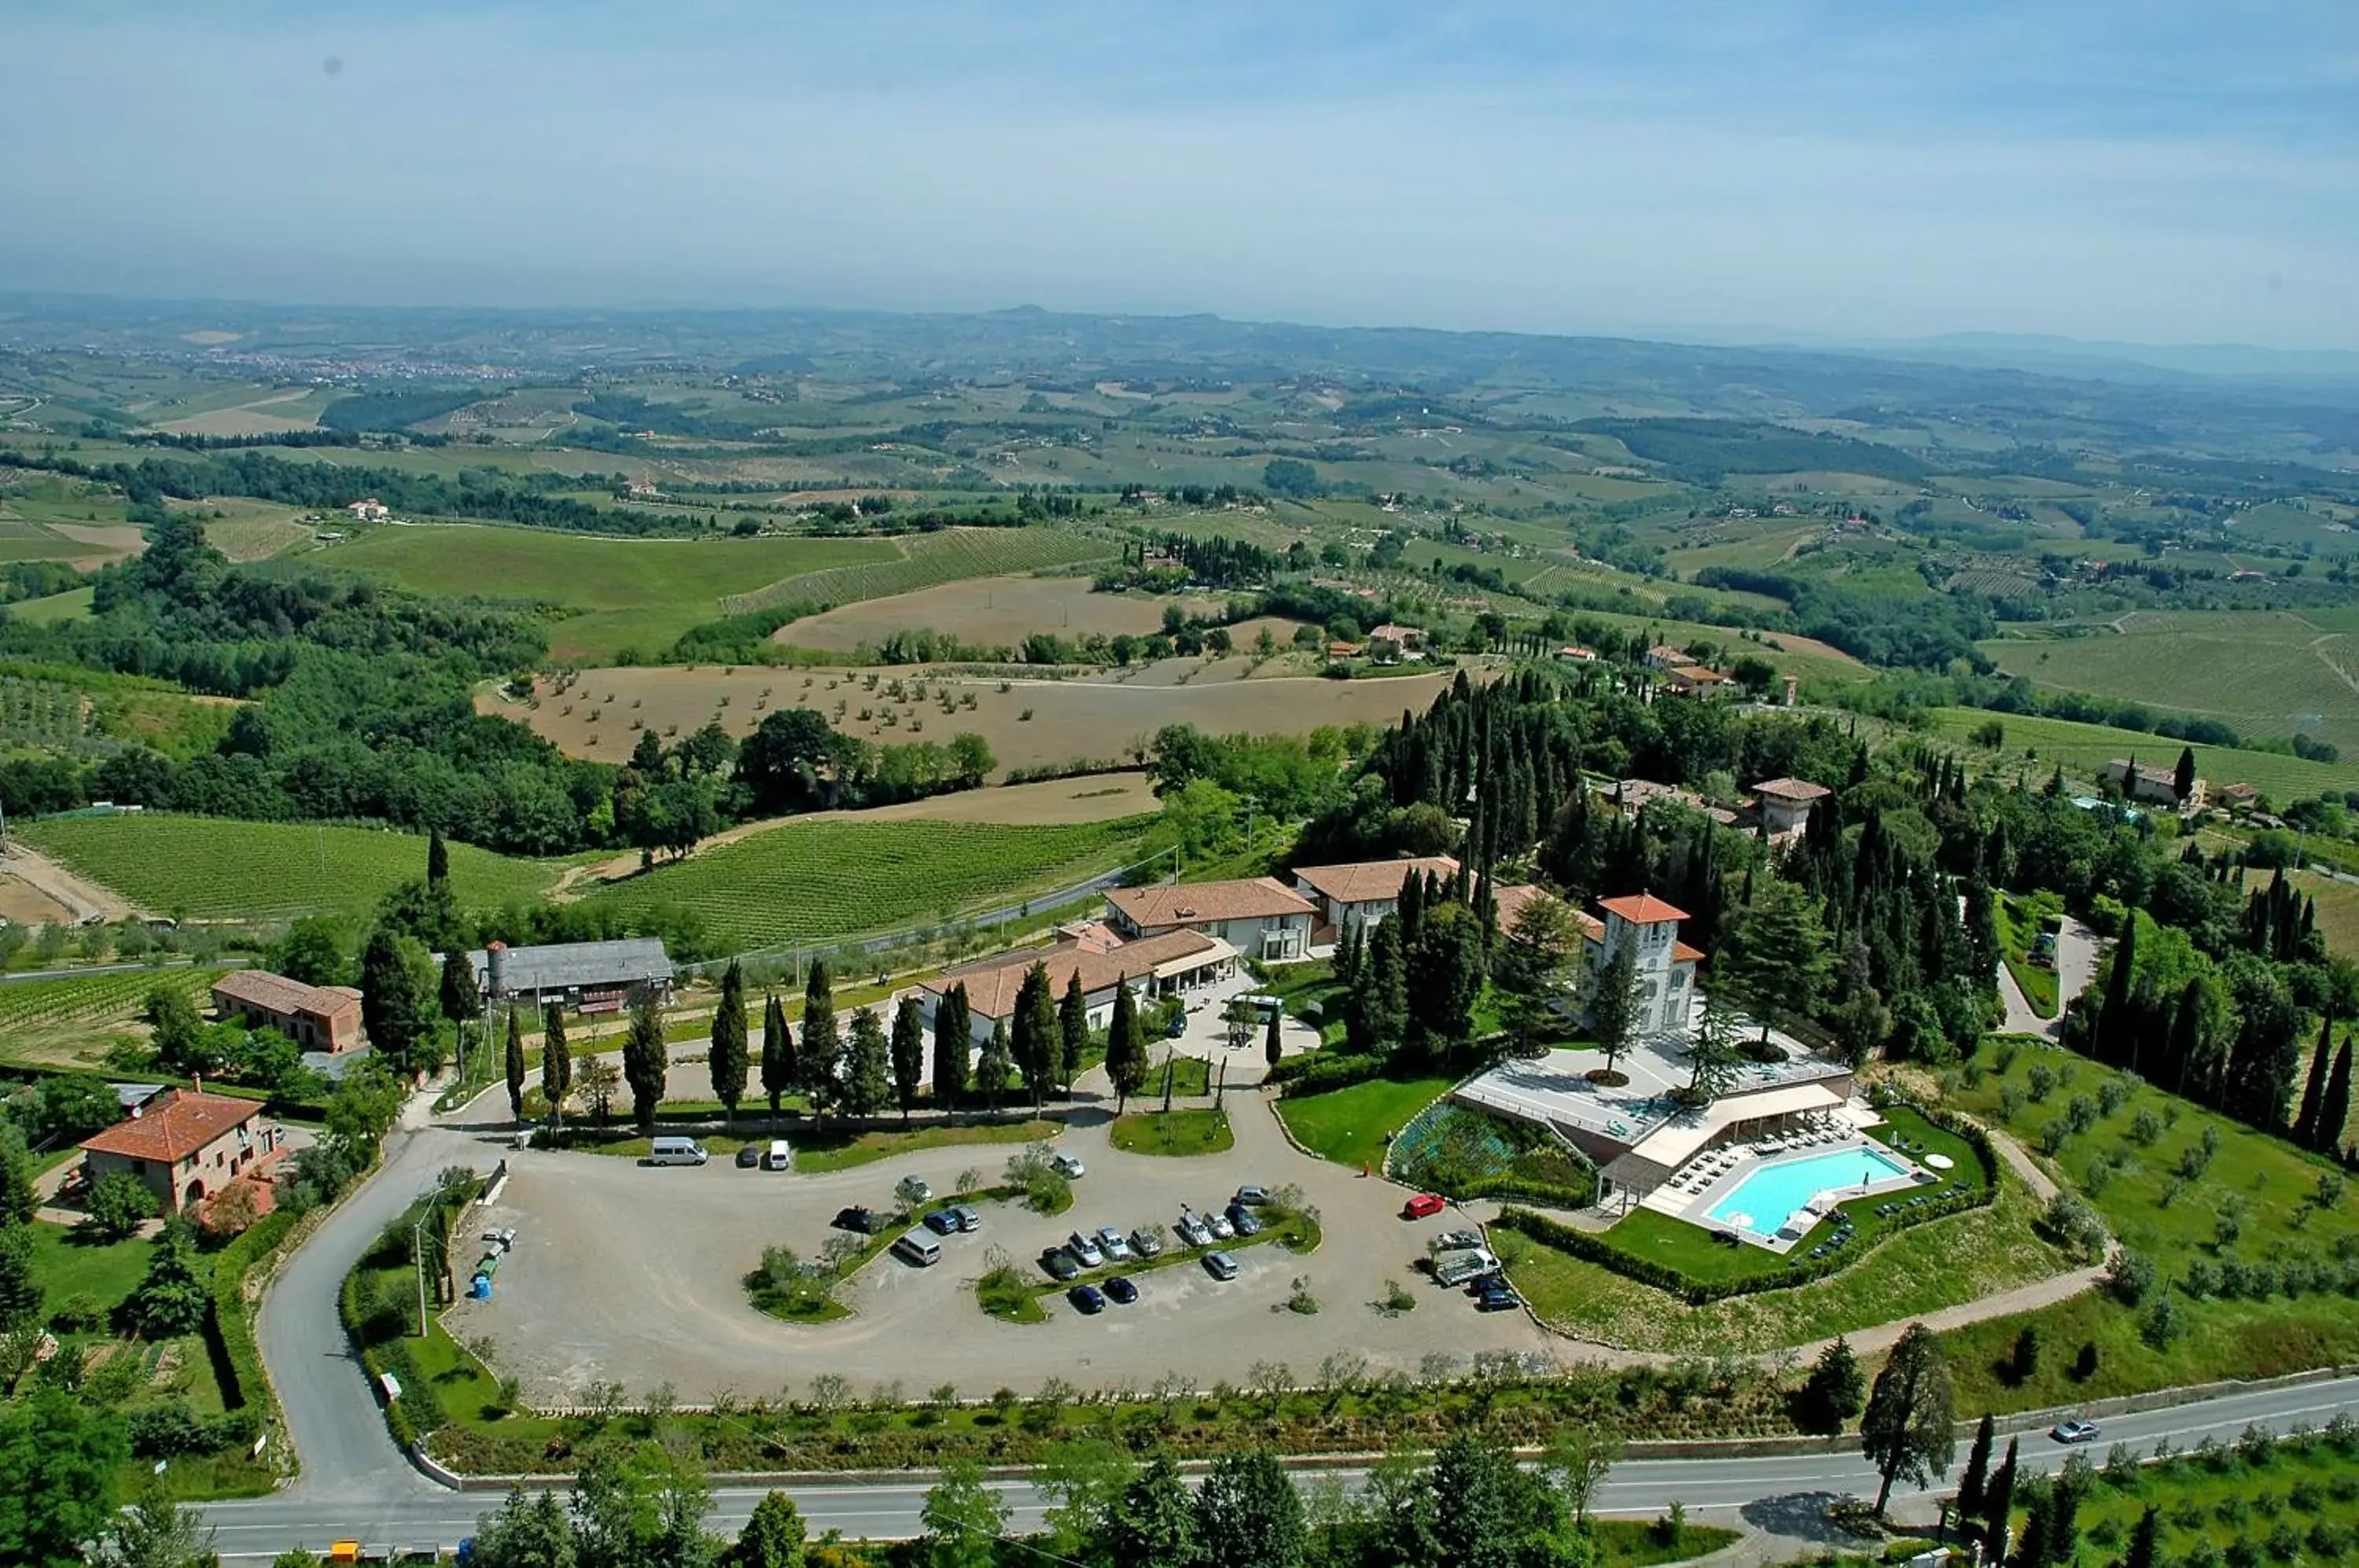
(1770, 1196)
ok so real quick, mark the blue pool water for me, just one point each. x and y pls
(1771, 1195)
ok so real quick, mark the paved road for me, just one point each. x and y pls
(2076, 965)
(1771, 1493)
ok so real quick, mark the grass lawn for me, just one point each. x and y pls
(1173, 1132)
(2018, 926)
(70, 1262)
(1641, 1543)
(1307, 989)
(826, 1148)
(2265, 1184)
(1350, 1126)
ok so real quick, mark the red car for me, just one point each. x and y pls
(1425, 1206)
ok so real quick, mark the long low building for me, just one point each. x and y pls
(316, 1018)
(1256, 915)
(1170, 964)
(1365, 892)
(584, 977)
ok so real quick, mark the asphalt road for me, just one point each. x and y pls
(1777, 1493)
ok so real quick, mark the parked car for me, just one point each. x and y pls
(1424, 1206)
(1193, 1232)
(1086, 1299)
(1068, 1166)
(1084, 1246)
(1143, 1242)
(1119, 1289)
(1458, 1267)
(1222, 1229)
(1252, 1197)
(748, 1158)
(1176, 1027)
(1220, 1266)
(1497, 1301)
(779, 1156)
(942, 1222)
(913, 1189)
(1243, 1218)
(1114, 1244)
(968, 1220)
(1059, 1264)
(1453, 1240)
(860, 1221)
(2075, 1432)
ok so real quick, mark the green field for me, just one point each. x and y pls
(2261, 673)
(214, 869)
(926, 560)
(802, 882)
(89, 1001)
(2035, 746)
(2175, 1222)
(638, 593)
(1351, 1125)
(72, 605)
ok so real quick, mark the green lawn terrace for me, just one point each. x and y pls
(1655, 1151)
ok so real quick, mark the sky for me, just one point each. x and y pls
(2145, 171)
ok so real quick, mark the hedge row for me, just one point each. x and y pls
(229, 1328)
(1508, 1186)
(1316, 1072)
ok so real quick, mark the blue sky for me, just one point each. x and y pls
(2155, 171)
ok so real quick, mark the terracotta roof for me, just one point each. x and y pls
(1696, 673)
(1370, 881)
(1682, 953)
(992, 983)
(174, 1125)
(1642, 909)
(1791, 790)
(1244, 898)
(278, 994)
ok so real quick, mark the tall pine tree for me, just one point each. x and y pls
(1072, 1032)
(644, 1062)
(515, 1065)
(725, 1060)
(909, 1052)
(2335, 1105)
(820, 1057)
(953, 1047)
(780, 1073)
(556, 1060)
(1126, 1047)
(867, 1067)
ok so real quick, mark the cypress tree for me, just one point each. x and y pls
(1126, 1047)
(2334, 1105)
(2146, 1540)
(1977, 1476)
(437, 859)
(780, 1068)
(644, 1062)
(953, 1043)
(908, 1053)
(556, 1060)
(2115, 1026)
(1072, 1032)
(1034, 1038)
(1999, 1508)
(1270, 1049)
(462, 1000)
(868, 1066)
(822, 1047)
(726, 1058)
(2313, 1094)
(991, 1066)
(515, 1065)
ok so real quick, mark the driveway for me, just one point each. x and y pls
(633, 1273)
(2076, 965)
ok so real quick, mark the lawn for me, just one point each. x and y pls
(810, 881)
(1173, 1132)
(71, 1262)
(628, 593)
(815, 1149)
(2264, 1187)
(2019, 924)
(217, 868)
(1351, 1125)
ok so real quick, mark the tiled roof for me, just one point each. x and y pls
(278, 994)
(174, 1125)
(1642, 909)
(1682, 953)
(1242, 900)
(992, 983)
(1791, 790)
(565, 966)
(1369, 881)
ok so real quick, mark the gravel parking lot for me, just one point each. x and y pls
(631, 1273)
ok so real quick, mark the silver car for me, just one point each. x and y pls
(1143, 1242)
(1084, 1246)
(1192, 1232)
(1220, 1226)
(1113, 1243)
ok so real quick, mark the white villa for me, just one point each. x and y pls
(1256, 915)
(1363, 893)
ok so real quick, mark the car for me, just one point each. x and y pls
(1243, 1218)
(942, 1222)
(1424, 1206)
(1114, 1244)
(1119, 1289)
(1059, 1264)
(1068, 1166)
(1193, 1232)
(1220, 1266)
(1252, 1197)
(1499, 1301)
(968, 1220)
(1084, 1246)
(1221, 1227)
(1488, 1280)
(1455, 1240)
(1176, 1027)
(1086, 1299)
(861, 1222)
(748, 1158)
(2074, 1432)
(1145, 1243)
(914, 1190)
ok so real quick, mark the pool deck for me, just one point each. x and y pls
(1701, 1184)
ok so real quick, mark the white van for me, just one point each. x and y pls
(778, 1157)
(676, 1151)
(918, 1250)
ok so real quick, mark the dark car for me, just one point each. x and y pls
(942, 1222)
(1499, 1301)
(1486, 1282)
(748, 1158)
(1245, 1220)
(859, 1220)
(1085, 1298)
(1060, 1263)
(1119, 1289)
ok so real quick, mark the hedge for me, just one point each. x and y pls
(1316, 1072)
(1509, 1186)
(229, 1328)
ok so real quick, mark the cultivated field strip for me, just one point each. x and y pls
(927, 559)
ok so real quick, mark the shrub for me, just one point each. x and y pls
(2132, 1276)
(1316, 1072)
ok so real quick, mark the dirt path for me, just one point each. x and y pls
(85, 899)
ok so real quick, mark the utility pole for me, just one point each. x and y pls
(417, 1265)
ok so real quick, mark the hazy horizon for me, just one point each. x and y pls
(2158, 175)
